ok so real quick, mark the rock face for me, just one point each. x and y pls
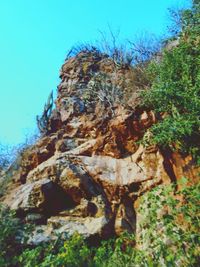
(88, 172)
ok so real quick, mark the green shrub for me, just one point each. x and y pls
(170, 225)
(73, 252)
(31, 257)
(175, 89)
(9, 231)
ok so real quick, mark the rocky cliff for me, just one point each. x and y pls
(88, 171)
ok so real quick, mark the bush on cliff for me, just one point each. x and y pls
(10, 227)
(175, 91)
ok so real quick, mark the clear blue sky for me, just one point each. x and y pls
(35, 36)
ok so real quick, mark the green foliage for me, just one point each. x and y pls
(9, 231)
(175, 91)
(115, 252)
(5, 180)
(167, 235)
(31, 257)
(73, 252)
(104, 252)
(167, 231)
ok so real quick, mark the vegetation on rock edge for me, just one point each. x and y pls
(168, 235)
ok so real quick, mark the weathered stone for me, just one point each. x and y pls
(28, 196)
(88, 173)
(41, 234)
(125, 219)
(85, 226)
(35, 218)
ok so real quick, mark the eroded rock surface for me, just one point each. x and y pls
(89, 171)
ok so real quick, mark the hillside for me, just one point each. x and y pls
(111, 160)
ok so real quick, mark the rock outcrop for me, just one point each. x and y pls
(89, 171)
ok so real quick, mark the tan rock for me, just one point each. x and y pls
(88, 173)
(86, 226)
(28, 196)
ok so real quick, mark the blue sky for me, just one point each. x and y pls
(35, 36)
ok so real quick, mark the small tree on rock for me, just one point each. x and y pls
(43, 120)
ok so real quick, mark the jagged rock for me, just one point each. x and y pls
(64, 227)
(28, 196)
(125, 218)
(85, 226)
(41, 234)
(88, 173)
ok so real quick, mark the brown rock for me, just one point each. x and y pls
(88, 173)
